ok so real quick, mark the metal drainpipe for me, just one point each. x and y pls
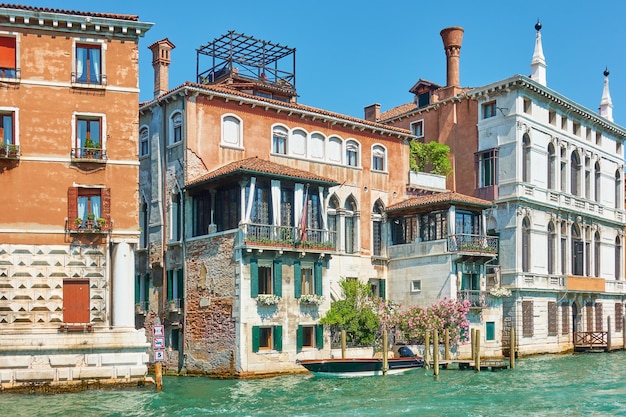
(183, 224)
(164, 212)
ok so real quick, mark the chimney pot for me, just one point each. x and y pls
(452, 39)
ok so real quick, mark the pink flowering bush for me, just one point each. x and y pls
(416, 321)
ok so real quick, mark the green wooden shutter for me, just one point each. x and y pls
(299, 339)
(146, 294)
(490, 330)
(278, 277)
(256, 338)
(297, 279)
(278, 338)
(180, 281)
(317, 277)
(382, 288)
(137, 288)
(319, 336)
(170, 285)
(254, 277)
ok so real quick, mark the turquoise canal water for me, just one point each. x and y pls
(572, 385)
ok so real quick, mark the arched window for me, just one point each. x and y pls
(175, 128)
(144, 143)
(551, 248)
(333, 220)
(231, 132)
(352, 153)
(618, 258)
(379, 158)
(563, 169)
(526, 158)
(526, 245)
(577, 251)
(551, 167)
(317, 146)
(619, 201)
(335, 146)
(575, 174)
(597, 181)
(279, 140)
(297, 143)
(377, 228)
(596, 254)
(563, 248)
(352, 225)
(587, 178)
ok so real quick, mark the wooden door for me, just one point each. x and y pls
(76, 301)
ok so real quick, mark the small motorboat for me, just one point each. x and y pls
(357, 367)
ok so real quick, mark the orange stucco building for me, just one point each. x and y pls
(68, 159)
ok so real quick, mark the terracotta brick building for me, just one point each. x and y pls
(68, 128)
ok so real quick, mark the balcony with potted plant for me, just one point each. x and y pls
(90, 152)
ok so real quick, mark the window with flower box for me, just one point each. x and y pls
(266, 277)
(89, 209)
(267, 338)
(310, 336)
(307, 279)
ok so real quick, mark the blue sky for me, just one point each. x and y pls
(350, 54)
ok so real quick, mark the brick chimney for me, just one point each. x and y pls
(161, 62)
(452, 40)
(372, 112)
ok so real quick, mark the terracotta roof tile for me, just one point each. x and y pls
(397, 111)
(295, 106)
(439, 198)
(261, 166)
(70, 12)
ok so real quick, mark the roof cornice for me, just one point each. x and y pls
(280, 107)
(521, 81)
(119, 26)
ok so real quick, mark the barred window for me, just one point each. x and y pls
(552, 317)
(527, 319)
(599, 319)
(564, 318)
(589, 311)
(619, 317)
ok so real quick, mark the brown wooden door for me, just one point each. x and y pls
(76, 301)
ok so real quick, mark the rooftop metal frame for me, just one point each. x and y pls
(252, 58)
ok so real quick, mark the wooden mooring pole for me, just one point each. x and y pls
(512, 350)
(435, 353)
(158, 375)
(624, 332)
(447, 345)
(608, 334)
(473, 343)
(426, 349)
(343, 344)
(385, 352)
(477, 360)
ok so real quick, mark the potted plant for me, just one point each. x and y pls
(90, 148)
(267, 299)
(78, 221)
(101, 222)
(311, 299)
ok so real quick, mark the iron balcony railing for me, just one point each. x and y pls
(473, 243)
(477, 299)
(94, 154)
(288, 237)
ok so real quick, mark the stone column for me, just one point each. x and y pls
(122, 282)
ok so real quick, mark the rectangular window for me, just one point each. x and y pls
(142, 292)
(175, 289)
(490, 330)
(310, 336)
(552, 117)
(434, 226)
(177, 129)
(576, 128)
(423, 99)
(599, 322)
(7, 128)
(88, 137)
(489, 109)
(88, 64)
(417, 128)
(527, 106)
(265, 280)
(175, 220)
(8, 57)
(563, 123)
(266, 277)
(619, 317)
(279, 143)
(88, 208)
(598, 138)
(552, 318)
(487, 165)
(416, 286)
(564, 318)
(308, 286)
(267, 338)
(527, 319)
